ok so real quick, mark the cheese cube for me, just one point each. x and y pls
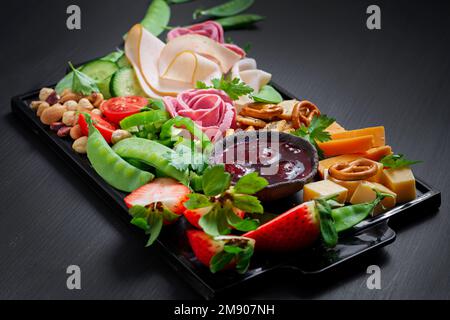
(327, 163)
(349, 185)
(364, 193)
(402, 182)
(324, 188)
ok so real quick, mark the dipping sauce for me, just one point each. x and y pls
(275, 161)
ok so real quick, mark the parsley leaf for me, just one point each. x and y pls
(233, 88)
(197, 201)
(250, 183)
(316, 131)
(396, 161)
(215, 180)
(82, 83)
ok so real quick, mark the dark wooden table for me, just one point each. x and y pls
(398, 77)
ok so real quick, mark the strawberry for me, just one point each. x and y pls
(222, 252)
(295, 229)
(169, 192)
(193, 216)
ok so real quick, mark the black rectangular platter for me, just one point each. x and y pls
(172, 244)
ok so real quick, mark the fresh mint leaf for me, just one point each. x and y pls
(396, 161)
(197, 201)
(267, 94)
(82, 83)
(247, 203)
(155, 221)
(250, 184)
(220, 260)
(327, 227)
(215, 222)
(215, 180)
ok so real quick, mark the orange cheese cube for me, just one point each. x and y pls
(402, 182)
(377, 153)
(324, 188)
(376, 132)
(364, 193)
(347, 145)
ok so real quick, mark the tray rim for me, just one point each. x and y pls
(18, 105)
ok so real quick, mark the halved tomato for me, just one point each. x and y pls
(106, 128)
(116, 109)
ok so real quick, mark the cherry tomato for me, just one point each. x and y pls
(115, 109)
(106, 128)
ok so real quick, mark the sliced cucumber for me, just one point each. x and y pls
(101, 71)
(125, 83)
(123, 61)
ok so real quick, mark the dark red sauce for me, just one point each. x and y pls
(277, 162)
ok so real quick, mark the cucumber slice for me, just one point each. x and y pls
(123, 61)
(125, 83)
(101, 71)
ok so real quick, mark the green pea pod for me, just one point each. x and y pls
(166, 135)
(227, 9)
(349, 216)
(153, 154)
(239, 21)
(144, 118)
(112, 168)
(327, 227)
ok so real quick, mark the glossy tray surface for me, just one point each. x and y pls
(368, 235)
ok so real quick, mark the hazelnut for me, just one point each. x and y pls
(41, 108)
(85, 105)
(71, 105)
(80, 145)
(45, 93)
(52, 114)
(75, 132)
(70, 118)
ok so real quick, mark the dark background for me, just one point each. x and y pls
(398, 77)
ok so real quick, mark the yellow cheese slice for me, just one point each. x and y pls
(364, 193)
(324, 188)
(402, 182)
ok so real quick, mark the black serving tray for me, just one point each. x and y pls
(368, 235)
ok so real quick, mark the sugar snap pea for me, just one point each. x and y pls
(157, 17)
(239, 21)
(349, 216)
(153, 154)
(227, 9)
(112, 168)
(144, 118)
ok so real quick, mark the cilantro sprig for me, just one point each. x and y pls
(225, 201)
(396, 161)
(316, 131)
(82, 83)
(233, 88)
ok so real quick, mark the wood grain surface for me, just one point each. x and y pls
(322, 51)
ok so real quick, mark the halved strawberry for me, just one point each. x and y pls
(295, 229)
(193, 216)
(223, 252)
(167, 191)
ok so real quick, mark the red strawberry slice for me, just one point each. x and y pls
(167, 191)
(206, 247)
(295, 229)
(193, 216)
(203, 245)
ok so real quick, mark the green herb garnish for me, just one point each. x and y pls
(316, 131)
(267, 94)
(82, 83)
(233, 88)
(396, 161)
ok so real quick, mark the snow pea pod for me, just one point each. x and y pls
(167, 135)
(113, 169)
(227, 9)
(144, 118)
(349, 216)
(239, 21)
(153, 154)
